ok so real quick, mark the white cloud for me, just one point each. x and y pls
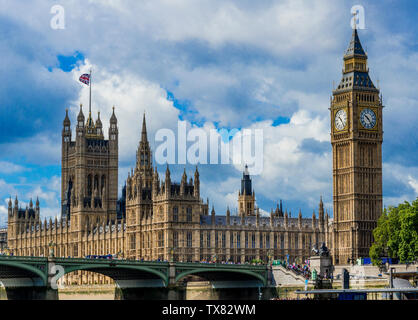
(42, 149)
(400, 183)
(131, 96)
(3, 216)
(8, 167)
(413, 183)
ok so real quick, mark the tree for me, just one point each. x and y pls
(381, 237)
(408, 234)
(396, 234)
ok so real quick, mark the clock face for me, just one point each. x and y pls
(340, 119)
(368, 118)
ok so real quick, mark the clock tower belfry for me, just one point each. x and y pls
(356, 138)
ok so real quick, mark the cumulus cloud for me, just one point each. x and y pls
(132, 96)
(413, 183)
(9, 168)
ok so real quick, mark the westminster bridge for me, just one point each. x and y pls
(36, 277)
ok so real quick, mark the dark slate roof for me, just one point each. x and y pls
(356, 80)
(355, 47)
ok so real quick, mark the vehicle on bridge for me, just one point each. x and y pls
(107, 256)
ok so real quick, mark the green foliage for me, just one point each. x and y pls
(396, 234)
(257, 261)
(408, 234)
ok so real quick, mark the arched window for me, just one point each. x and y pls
(89, 185)
(175, 214)
(175, 239)
(189, 214)
(161, 239)
(189, 239)
(96, 182)
(103, 184)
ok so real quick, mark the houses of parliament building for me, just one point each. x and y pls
(162, 219)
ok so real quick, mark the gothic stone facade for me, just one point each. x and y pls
(169, 221)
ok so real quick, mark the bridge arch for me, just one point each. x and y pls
(221, 270)
(32, 270)
(106, 270)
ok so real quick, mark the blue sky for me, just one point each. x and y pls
(215, 64)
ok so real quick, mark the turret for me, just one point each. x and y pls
(286, 219)
(66, 129)
(300, 219)
(155, 182)
(80, 123)
(99, 126)
(196, 189)
(271, 218)
(113, 131)
(213, 215)
(16, 208)
(313, 220)
(167, 181)
(183, 183)
(144, 158)
(257, 217)
(228, 216)
(9, 208)
(246, 196)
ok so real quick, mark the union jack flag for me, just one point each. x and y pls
(85, 78)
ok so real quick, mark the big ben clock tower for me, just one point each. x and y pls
(356, 138)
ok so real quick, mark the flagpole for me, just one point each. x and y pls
(90, 93)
